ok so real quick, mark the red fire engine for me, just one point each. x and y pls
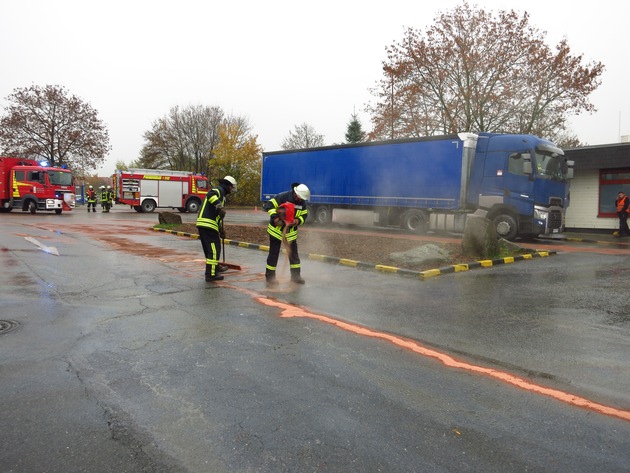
(147, 189)
(31, 186)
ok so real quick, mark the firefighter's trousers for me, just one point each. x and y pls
(275, 246)
(211, 244)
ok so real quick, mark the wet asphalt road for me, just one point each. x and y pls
(124, 359)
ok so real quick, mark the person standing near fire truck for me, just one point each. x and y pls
(110, 198)
(210, 225)
(91, 199)
(103, 198)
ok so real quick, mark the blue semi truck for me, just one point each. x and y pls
(519, 182)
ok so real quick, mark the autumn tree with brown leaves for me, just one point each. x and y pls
(49, 123)
(479, 72)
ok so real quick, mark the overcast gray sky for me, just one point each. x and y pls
(278, 63)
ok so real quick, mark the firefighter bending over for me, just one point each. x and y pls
(283, 227)
(209, 225)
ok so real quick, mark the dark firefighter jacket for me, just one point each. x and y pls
(301, 212)
(209, 214)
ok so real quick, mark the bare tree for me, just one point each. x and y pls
(472, 71)
(304, 136)
(48, 123)
(184, 139)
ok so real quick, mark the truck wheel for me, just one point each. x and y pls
(137, 208)
(32, 208)
(148, 205)
(58, 211)
(414, 221)
(323, 214)
(192, 206)
(505, 226)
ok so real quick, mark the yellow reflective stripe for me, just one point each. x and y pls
(276, 232)
(208, 223)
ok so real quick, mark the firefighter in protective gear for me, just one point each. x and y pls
(103, 198)
(622, 205)
(284, 228)
(110, 197)
(210, 225)
(91, 199)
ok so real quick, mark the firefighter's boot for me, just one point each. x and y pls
(216, 277)
(295, 276)
(270, 278)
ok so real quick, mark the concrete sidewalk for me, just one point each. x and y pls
(588, 237)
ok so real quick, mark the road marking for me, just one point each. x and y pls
(290, 311)
(48, 249)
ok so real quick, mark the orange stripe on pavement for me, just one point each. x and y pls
(289, 311)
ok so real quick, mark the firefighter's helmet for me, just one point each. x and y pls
(302, 191)
(230, 181)
(91, 187)
(109, 187)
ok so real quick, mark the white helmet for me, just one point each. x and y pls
(302, 192)
(229, 180)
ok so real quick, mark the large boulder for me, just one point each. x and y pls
(169, 217)
(480, 238)
(424, 254)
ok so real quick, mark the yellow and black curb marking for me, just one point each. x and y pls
(456, 268)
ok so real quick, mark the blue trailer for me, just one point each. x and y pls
(519, 182)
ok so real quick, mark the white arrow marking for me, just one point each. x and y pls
(48, 249)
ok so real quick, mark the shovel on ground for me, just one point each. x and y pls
(228, 265)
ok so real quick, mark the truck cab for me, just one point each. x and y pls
(31, 186)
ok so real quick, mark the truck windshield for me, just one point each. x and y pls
(60, 178)
(551, 165)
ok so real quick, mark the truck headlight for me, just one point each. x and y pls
(541, 214)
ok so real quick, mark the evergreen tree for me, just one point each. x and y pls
(355, 133)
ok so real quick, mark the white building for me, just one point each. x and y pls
(600, 172)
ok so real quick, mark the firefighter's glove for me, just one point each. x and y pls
(278, 222)
(221, 212)
(222, 233)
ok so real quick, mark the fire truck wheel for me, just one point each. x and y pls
(148, 205)
(192, 206)
(58, 211)
(32, 208)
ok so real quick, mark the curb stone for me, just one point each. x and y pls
(430, 273)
